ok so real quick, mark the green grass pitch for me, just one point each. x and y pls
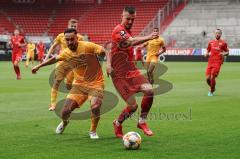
(186, 123)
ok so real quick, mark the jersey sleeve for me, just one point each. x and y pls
(120, 34)
(80, 37)
(209, 47)
(58, 39)
(63, 56)
(225, 47)
(94, 48)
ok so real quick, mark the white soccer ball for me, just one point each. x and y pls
(132, 140)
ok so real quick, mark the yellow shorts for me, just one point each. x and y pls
(152, 59)
(80, 93)
(62, 69)
(30, 55)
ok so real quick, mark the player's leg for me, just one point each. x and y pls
(27, 60)
(74, 100)
(69, 106)
(126, 113)
(32, 58)
(208, 78)
(122, 87)
(214, 74)
(95, 116)
(60, 74)
(151, 68)
(54, 94)
(146, 105)
(16, 59)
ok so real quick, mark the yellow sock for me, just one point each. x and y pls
(94, 123)
(54, 94)
(27, 62)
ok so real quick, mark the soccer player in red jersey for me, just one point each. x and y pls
(126, 78)
(17, 43)
(216, 51)
(41, 50)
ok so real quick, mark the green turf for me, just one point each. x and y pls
(187, 123)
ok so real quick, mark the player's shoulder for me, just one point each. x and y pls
(80, 37)
(118, 28)
(61, 35)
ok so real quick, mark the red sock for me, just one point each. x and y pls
(213, 84)
(209, 82)
(146, 105)
(125, 114)
(17, 70)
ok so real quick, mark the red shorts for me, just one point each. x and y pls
(138, 57)
(213, 69)
(16, 56)
(127, 87)
(40, 56)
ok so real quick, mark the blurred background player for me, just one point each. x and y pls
(153, 51)
(138, 55)
(126, 78)
(216, 51)
(88, 83)
(41, 51)
(61, 71)
(17, 43)
(30, 53)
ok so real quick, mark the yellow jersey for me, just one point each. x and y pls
(30, 47)
(84, 62)
(154, 46)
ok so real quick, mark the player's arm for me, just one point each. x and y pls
(162, 51)
(225, 51)
(208, 50)
(109, 68)
(23, 44)
(45, 63)
(50, 51)
(139, 40)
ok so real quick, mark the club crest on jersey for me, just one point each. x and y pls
(122, 33)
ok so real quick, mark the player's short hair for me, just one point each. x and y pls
(156, 28)
(219, 30)
(70, 30)
(72, 21)
(129, 9)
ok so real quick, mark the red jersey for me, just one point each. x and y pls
(216, 47)
(16, 41)
(41, 47)
(122, 55)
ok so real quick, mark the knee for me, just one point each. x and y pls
(133, 107)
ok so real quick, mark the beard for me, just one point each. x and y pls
(73, 47)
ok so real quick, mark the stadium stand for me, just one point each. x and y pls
(194, 26)
(96, 20)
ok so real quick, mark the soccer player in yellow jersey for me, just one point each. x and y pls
(155, 48)
(88, 78)
(30, 53)
(59, 73)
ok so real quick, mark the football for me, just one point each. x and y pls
(132, 140)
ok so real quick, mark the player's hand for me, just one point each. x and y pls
(35, 69)
(206, 55)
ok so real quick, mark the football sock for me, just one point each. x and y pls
(146, 105)
(94, 123)
(213, 84)
(54, 94)
(17, 70)
(126, 113)
(208, 82)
